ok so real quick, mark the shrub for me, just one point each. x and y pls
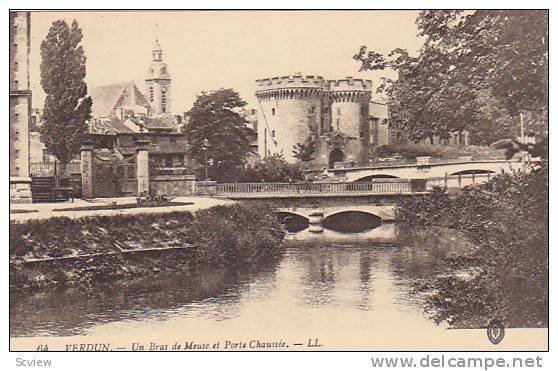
(508, 218)
(229, 235)
(221, 235)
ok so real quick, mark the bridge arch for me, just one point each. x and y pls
(473, 171)
(336, 155)
(293, 221)
(351, 221)
(370, 178)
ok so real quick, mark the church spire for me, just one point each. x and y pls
(158, 81)
(157, 51)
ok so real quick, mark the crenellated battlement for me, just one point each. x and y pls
(355, 96)
(293, 86)
(292, 81)
(350, 84)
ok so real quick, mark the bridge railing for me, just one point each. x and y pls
(391, 162)
(270, 189)
(459, 181)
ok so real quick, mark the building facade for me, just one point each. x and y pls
(331, 116)
(20, 105)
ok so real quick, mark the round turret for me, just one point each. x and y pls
(291, 112)
(350, 115)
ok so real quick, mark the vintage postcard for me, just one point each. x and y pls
(258, 180)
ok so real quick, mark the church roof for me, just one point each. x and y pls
(108, 97)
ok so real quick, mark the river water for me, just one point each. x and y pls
(333, 281)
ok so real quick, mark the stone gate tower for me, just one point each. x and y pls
(333, 114)
(350, 113)
(158, 82)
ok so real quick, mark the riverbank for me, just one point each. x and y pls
(61, 251)
(22, 212)
(507, 219)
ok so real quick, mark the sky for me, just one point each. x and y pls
(207, 50)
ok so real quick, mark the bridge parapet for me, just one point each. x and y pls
(282, 190)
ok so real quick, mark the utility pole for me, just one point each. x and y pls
(522, 129)
(526, 158)
(206, 150)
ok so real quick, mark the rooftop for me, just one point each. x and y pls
(108, 97)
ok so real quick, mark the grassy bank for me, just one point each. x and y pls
(65, 251)
(507, 218)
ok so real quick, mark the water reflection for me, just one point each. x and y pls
(71, 311)
(329, 282)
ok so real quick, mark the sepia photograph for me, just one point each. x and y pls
(279, 180)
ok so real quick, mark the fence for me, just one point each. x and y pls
(391, 162)
(52, 168)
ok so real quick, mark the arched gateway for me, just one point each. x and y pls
(335, 156)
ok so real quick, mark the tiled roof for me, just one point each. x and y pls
(161, 122)
(109, 126)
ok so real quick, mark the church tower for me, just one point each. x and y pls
(158, 82)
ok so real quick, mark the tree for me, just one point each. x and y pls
(66, 108)
(273, 168)
(466, 56)
(214, 117)
(304, 151)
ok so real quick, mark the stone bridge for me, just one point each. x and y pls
(384, 212)
(426, 169)
(318, 216)
(366, 195)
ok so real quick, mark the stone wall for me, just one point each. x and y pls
(172, 185)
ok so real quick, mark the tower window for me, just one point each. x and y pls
(273, 112)
(151, 94)
(273, 133)
(337, 121)
(163, 99)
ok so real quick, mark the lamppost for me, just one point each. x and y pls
(206, 149)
